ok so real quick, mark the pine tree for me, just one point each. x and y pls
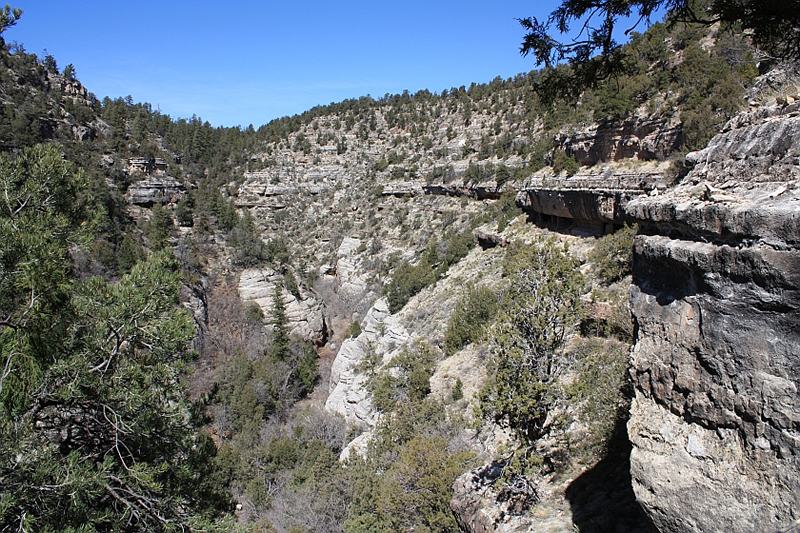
(280, 329)
(96, 432)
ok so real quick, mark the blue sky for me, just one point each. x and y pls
(239, 63)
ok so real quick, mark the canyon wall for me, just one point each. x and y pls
(715, 422)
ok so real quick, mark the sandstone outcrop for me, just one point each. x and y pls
(381, 335)
(289, 178)
(642, 138)
(588, 198)
(715, 423)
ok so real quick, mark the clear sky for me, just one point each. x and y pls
(238, 63)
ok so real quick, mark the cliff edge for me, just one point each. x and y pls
(715, 422)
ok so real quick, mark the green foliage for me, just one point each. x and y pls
(129, 253)
(599, 391)
(416, 493)
(478, 173)
(248, 248)
(253, 312)
(184, 211)
(595, 56)
(307, 371)
(541, 306)
(40, 219)
(612, 255)
(227, 217)
(159, 228)
(112, 393)
(9, 17)
(474, 312)
(503, 211)
(404, 483)
(405, 378)
(610, 314)
(355, 329)
(381, 165)
(407, 281)
(278, 253)
(290, 282)
(292, 477)
(538, 154)
(280, 325)
(458, 390)
(564, 163)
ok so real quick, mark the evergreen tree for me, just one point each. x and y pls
(594, 55)
(96, 432)
(280, 328)
(541, 307)
(159, 228)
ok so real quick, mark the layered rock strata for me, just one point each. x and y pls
(715, 423)
(383, 336)
(304, 312)
(642, 138)
(590, 199)
(156, 190)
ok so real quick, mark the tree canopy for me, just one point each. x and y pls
(96, 432)
(594, 54)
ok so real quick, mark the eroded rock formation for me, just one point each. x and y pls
(715, 423)
(156, 190)
(304, 313)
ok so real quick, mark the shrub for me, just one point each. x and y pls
(248, 248)
(407, 281)
(458, 390)
(564, 163)
(290, 282)
(598, 389)
(159, 228)
(253, 312)
(473, 313)
(541, 306)
(612, 255)
(407, 376)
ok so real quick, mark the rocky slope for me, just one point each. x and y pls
(714, 298)
(716, 302)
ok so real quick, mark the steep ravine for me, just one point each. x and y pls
(713, 427)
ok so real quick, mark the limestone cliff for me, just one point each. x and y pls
(716, 301)
(304, 313)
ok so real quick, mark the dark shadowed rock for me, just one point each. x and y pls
(156, 189)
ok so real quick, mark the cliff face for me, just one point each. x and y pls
(643, 138)
(586, 198)
(715, 423)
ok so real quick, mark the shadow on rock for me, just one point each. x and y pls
(602, 498)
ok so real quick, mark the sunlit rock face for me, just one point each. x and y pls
(304, 312)
(715, 424)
